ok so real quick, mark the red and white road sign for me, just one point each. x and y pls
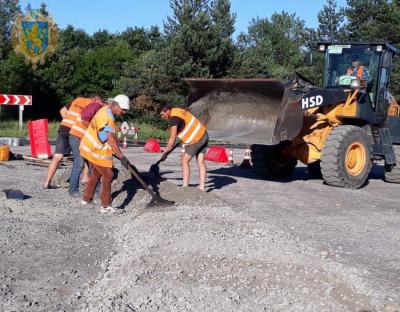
(11, 99)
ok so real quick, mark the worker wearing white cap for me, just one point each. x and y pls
(98, 146)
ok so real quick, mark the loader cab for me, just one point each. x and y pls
(365, 66)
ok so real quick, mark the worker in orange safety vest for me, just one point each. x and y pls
(70, 113)
(97, 146)
(75, 135)
(357, 70)
(193, 135)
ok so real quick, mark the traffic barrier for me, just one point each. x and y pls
(152, 146)
(125, 144)
(38, 137)
(216, 154)
(246, 161)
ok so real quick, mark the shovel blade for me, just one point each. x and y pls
(158, 201)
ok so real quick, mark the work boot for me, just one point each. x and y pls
(88, 203)
(74, 194)
(108, 209)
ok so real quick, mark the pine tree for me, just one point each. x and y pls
(223, 22)
(199, 37)
(330, 20)
(367, 19)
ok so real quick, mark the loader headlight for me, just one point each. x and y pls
(322, 47)
(379, 48)
(355, 83)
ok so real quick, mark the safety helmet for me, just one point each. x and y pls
(122, 100)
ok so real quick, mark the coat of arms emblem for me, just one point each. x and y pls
(35, 36)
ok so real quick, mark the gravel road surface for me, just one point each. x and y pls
(245, 245)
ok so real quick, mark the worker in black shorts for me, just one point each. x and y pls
(62, 147)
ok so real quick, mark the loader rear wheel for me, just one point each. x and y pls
(270, 162)
(346, 157)
(392, 175)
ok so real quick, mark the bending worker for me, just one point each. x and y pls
(357, 70)
(67, 142)
(193, 135)
(98, 145)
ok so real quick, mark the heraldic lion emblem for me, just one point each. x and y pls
(35, 36)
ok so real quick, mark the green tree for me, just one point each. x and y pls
(71, 38)
(376, 20)
(98, 69)
(370, 19)
(102, 38)
(141, 39)
(8, 13)
(330, 20)
(199, 35)
(223, 22)
(273, 47)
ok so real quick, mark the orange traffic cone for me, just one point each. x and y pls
(125, 144)
(246, 161)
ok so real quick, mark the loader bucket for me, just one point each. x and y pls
(243, 111)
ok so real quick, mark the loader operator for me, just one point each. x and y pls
(357, 70)
(98, 145)
(67, 141)
(193, 135)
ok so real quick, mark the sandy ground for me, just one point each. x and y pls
(245, 245)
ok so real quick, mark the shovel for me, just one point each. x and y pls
(155, 169)
(156, 200)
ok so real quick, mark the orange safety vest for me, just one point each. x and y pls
(74, 111)
(193, 130)
(78, 129)
(91, 148)
(360, 71)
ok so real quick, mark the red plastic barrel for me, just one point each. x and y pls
(38, 137)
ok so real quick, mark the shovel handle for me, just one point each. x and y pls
(137, 176)
(169, 152)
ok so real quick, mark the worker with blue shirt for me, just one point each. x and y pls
(98, 145)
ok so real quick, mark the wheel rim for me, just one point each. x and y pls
(355, 158)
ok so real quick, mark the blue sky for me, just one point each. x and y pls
(117, 15)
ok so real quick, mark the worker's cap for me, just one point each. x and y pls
(355, 57)
(122, 100)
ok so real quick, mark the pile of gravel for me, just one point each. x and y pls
(203, 256)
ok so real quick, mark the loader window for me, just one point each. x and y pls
(343, 63)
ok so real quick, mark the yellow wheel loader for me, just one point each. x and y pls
(338, 130)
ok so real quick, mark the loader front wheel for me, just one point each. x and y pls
(270, 162)
(346, 157)
(392, 175)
